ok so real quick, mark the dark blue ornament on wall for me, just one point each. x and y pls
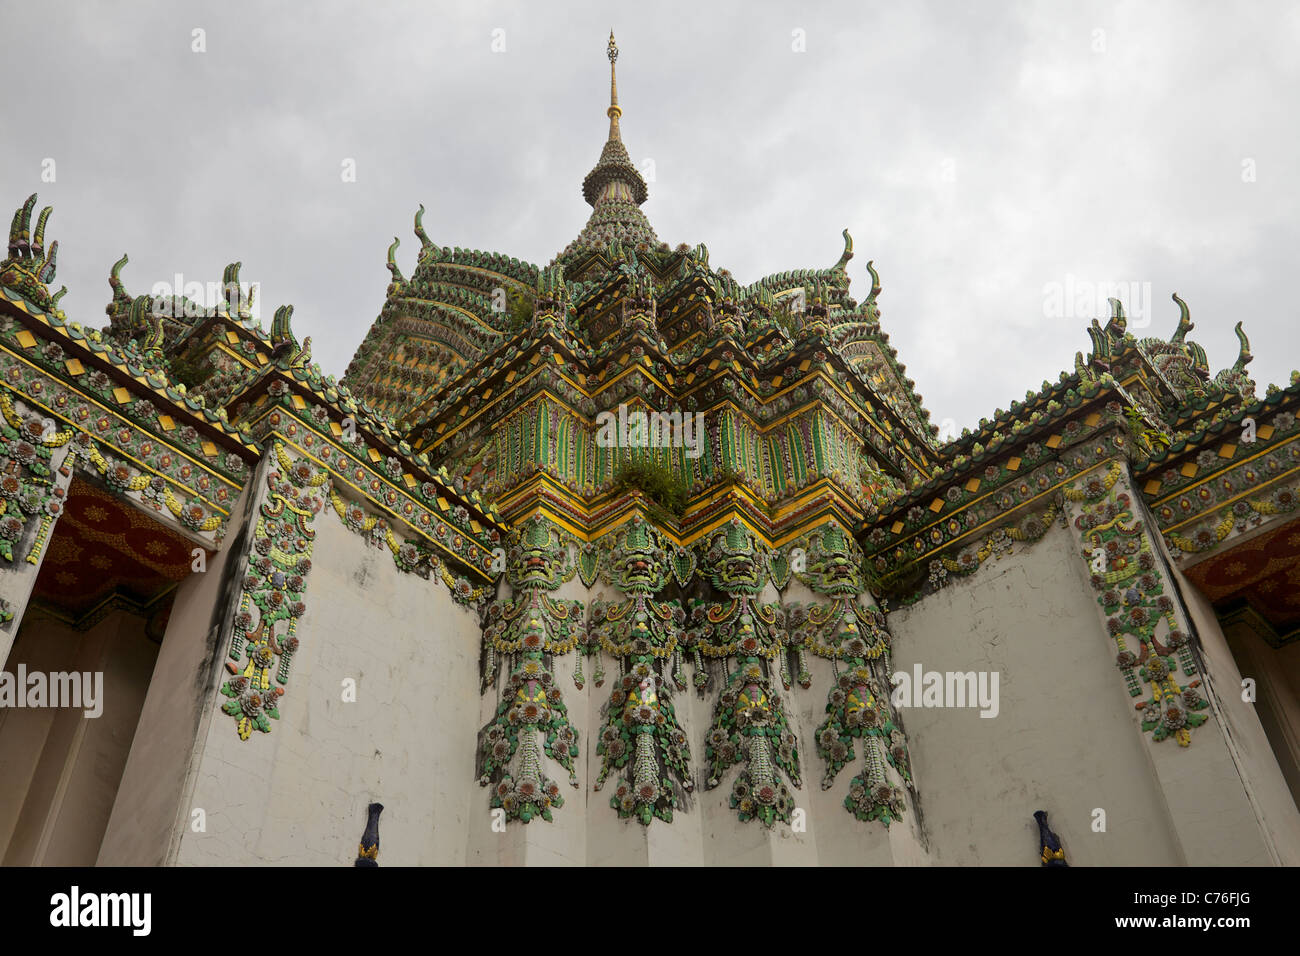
(368, 851)
(1050, 850)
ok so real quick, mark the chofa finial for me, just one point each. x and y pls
(1185, 323)
(423, 236)
(28, 258)
(846, 255)
(1244, 357)
(1118, 323)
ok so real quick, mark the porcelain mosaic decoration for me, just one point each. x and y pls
(858, 708)
(1153, 646)
(750, 725)
(641, 744)
(264, 641)
(27, 480)
(531, 719)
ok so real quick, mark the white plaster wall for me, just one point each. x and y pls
(62, 768)
(1244, 742)
(1065, 739)
(147, 811)
(1276, 671)
(47, 646)
(298, 795)
(126, 658)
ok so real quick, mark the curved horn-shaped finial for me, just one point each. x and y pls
(115, 276)
(1101, 345)
(875, 281)
(392, 263)
(46, 275)
(280, 331)
(1118, 323)
(38, 238)
(1185, 323)
(18, 229)
(302, 358)
(423, 236)
(846, 255)
(54, 299)
(1244, 357)
(121, 300)
(230, 289)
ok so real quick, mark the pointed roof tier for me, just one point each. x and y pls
(614, 189)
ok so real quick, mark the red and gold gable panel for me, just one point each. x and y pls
(103, 546)
(1265, 571)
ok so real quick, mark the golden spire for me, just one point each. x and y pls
(614, 111)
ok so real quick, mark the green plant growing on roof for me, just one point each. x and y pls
(191, 374)
(1146, 438)
(519, 310)
(659, 483)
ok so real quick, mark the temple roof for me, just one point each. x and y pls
(459, 307)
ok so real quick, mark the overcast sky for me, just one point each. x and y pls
(1002, 163)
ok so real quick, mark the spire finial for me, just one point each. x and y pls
(613, 189)
(614, 111)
